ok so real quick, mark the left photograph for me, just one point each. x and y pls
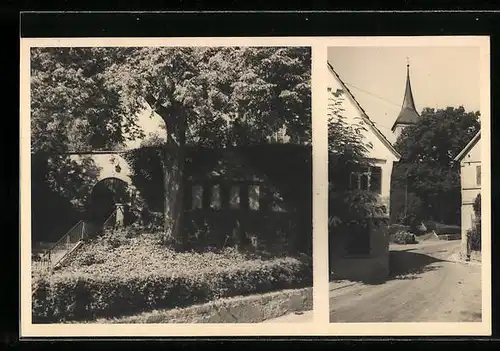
(170, 184)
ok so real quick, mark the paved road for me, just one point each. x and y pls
(425, 286)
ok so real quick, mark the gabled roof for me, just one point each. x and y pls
(468, 147)
(365, 117)
(408, 113)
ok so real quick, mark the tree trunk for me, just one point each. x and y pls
(173, 178)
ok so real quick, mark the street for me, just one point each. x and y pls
(426, 285)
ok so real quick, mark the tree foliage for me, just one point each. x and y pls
(346, 147)
(347, 151)
(228, 95)
(427, 168)
(73, 106)
(88, 98)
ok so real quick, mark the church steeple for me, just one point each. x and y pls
(408, 114)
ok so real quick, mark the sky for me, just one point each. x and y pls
(440, 77)
(150, 124)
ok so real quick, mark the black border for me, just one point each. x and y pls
(374, 23)
(238, 24)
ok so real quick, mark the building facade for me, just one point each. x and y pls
(373, 261)
(470, 180)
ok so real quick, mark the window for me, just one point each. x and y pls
(364, 181)
(367, 179)
(376, 180)
(234, 197)
(354, 181)
(197, 192)
(215, 201)
(478, 175)
(253, 197)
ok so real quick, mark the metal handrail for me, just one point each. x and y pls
(65, 244)
(109, 218)
(63, 237)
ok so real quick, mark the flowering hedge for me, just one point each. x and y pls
(114, 278)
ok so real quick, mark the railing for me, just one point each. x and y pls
(110, 222)
(68, 241)
(65, 244)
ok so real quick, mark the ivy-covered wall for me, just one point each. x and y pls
(258, 196)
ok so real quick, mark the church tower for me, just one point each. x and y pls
(408, 115)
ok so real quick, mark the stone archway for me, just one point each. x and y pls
(106, 195)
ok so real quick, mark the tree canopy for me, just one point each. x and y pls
(90, 98)
(427, 167)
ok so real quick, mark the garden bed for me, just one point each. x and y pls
(118, 275)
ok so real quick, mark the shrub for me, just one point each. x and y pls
(474, 239)
(474, 234)
(353, 207)
(403, 238)
(395, 228)
(87, 296)
(142, 275)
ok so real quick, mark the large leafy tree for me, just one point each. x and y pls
(427, 170)
(206, 96)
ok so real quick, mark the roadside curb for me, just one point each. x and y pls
(241, 309)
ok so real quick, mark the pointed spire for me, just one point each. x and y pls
(408, 114)
(408, 99)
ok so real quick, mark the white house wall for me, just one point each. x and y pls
(470, 189)
(377, 151)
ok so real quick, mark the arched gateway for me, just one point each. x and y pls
(112, 192)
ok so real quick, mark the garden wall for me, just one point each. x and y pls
(256, 195)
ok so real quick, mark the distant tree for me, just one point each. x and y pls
(427, 168)
(205, 96)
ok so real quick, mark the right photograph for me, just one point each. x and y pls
(404, 202)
